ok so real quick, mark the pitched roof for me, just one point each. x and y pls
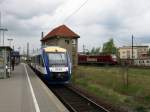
(62, 31)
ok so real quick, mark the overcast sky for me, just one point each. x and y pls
(95, 22)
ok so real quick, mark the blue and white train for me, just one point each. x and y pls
(53, 64)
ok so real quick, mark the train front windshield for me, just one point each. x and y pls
(57, 58)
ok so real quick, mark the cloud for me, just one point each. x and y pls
(95, 22)
(26, 19)
(25, 9)
(117, 19)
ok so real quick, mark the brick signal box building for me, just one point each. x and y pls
(64, 37)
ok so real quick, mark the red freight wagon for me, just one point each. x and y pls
(97, 59)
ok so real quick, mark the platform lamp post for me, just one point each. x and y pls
(10, 40)
(3, 29)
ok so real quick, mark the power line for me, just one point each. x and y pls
(136, 42)
(142, 40)
(121, 41)
(67, 18)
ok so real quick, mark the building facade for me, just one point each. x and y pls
(64, 37)
(139, 52)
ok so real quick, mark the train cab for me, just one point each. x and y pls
(54, 64)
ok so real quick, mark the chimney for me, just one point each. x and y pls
(42, 35)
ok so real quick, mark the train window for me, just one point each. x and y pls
(41, 61)
(33, 60)
(36, 59)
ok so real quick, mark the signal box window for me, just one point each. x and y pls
(73, 41)
(67, 41)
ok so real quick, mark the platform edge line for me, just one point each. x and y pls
(32, 91)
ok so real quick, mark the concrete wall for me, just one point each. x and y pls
(67, 44)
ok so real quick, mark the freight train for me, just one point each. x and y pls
(97, 59)
(53, 64)
(104, 59)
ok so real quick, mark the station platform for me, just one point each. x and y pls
(25, 92)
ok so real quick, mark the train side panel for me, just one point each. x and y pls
(97, 59)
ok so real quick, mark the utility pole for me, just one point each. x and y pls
(3, 29)
(132, 51)
(27, 51)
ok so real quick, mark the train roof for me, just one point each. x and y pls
(49, 49)
(54, 49)
(15, 53)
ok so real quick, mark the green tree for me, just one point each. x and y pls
(109, 47)
(92, 50)
(95, 51)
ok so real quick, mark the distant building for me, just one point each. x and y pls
(139, 52)
(64, 37)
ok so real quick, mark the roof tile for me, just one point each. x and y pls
(62, 31)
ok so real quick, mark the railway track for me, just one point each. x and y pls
(75, 101)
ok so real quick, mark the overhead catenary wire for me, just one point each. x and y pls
(142, 40)
(121, 41)
(74, 12)
(135, 41)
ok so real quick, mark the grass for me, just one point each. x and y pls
(108, 83)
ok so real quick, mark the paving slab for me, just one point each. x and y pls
(25, 92)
